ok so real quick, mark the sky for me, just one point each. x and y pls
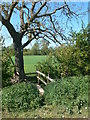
(75, 24)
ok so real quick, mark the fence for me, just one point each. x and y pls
(47, 77)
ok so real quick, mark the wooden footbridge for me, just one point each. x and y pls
(42, 78)
(39, 78)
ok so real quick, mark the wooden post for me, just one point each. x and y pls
(38, 78)
(47, 78)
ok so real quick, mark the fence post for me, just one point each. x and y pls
(47, 78)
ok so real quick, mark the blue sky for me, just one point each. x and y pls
(75, 24)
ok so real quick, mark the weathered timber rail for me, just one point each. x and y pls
(38, 75)
(46, 77)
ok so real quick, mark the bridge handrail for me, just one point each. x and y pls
(47, 77)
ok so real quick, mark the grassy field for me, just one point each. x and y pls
(31, 61)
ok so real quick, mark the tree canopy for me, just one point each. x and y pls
(37, 19)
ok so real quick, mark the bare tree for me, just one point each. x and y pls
(37, 20)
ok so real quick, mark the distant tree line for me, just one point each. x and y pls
(39, 48)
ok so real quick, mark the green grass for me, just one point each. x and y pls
(31, 61)
(47, 112)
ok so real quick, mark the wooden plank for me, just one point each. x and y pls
(42, 80)
(47, 77)
(40, 73)
(50, 79)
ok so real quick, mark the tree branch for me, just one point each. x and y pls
(50, 38)
(25, 44)
(11, 10)
(35, 15)
(59, 33)
(48, 32)
(48, 14)
(53, 35)
(8, 25)
(22, 19)
(41, 8)
(32, 8)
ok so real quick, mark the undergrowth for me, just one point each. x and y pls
(69, 92)
(20, 97)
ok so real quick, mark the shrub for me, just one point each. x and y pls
(69, 60)
(67, 91)
(21, 96)
(6, 70)
(49, 66)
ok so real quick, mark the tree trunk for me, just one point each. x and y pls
(19, 63)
